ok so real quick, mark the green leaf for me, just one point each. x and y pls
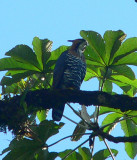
(74, 155)
(129, 129)
(85, 153)
(130, 59)
(16, 78)
(107, 87)
(42, 50)
(132, 113)
(111, 118)
(46, 53)
(12, 64)
(130, 91)
(122, 80)
(27, 149)
(47, 129)
(37, 47)
(78, 131)
(96, 49)
(24, 54)
(92, 71)
(42, 115)
(113, 41)
(104, 110)
(104, 154)
(30, 148)
(57, 52)
(88, 76)
(124, 70)
(127, 47)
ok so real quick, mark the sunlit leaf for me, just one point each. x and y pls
(12, 64)
(42, 115)
(113, 41)
(104, 154)
(129, 129)
(130, 59)
(85, 153)
(124, 70)
(127, 47)
(74, 155)
(107, 87)
(111, 118)
(96, 48)
(104, 110)
(24, 54)
(78, 131)
(27, 149)
(119, 79)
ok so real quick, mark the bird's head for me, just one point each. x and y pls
(78, 46)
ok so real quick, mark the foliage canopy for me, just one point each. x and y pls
(109, 59)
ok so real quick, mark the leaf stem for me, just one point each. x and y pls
(109, 149)
(66, 138)
(74, 122)
(75, 149)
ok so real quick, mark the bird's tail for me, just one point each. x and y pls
(57, 112)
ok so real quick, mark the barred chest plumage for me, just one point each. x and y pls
(69, 72)
(75, 71)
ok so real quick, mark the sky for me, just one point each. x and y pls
(59, 21)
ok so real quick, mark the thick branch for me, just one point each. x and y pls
(49, 99)
(14, 112)
(117, 139)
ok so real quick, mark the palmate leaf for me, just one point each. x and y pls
(74, 155)
(50, 64)
(96, 49)
(110, 62)
(23, 62)
(122, 80)
(111, 118)
(107, 87)
(47, 129)
(130, 129)
(85, 153)
(78, 131)
(57, 52)
(104, 110)
(113, 41)
(29, 148)
(24, 54)
(16, 78)
(42, 115)
(127, 47)
(123, 70)
(130, 59)
(82, 154)
(12, 64)
(42, 50)
(104, 154)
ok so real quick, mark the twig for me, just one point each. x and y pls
(75, 149)
(74, 122)
(79, 115)
(109, 149)
(66, 138)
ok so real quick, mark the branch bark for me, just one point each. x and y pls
(49, 99)
(14, 111)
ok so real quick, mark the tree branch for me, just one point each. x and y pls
(14, 111)
(49, 99)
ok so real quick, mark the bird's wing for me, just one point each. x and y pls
(59, 70)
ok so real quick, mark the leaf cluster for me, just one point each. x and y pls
(109, 59)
